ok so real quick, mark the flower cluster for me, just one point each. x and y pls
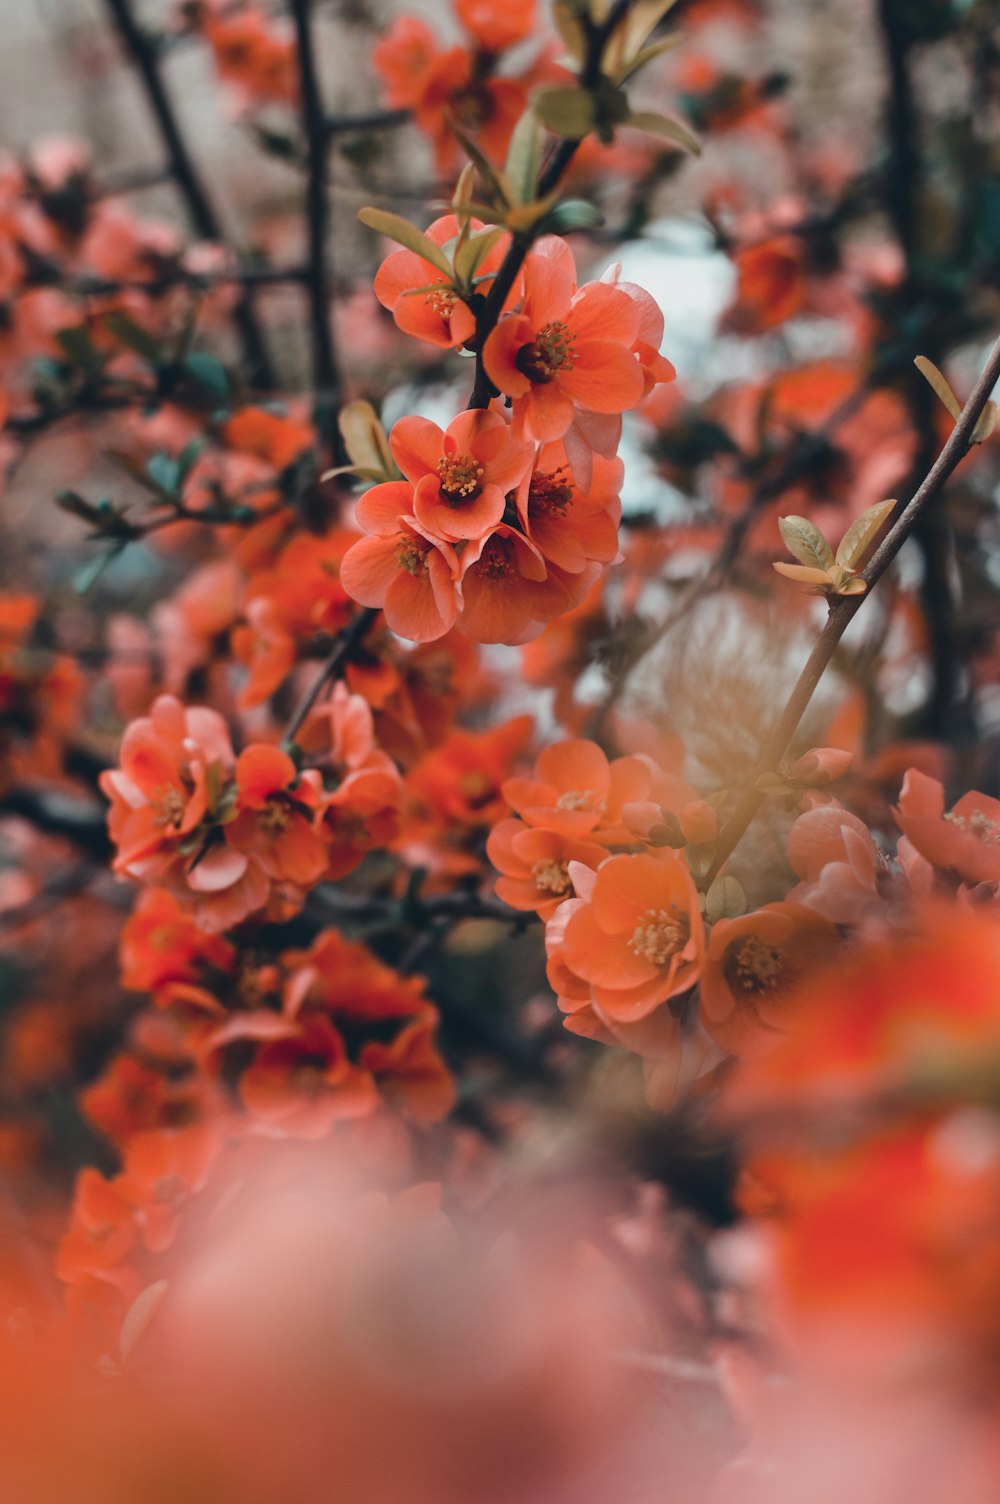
(500, 522)
(230, 835)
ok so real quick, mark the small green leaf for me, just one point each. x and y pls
(939, 382)
(86, 578)
(725, 899)
(394, 227)
(524, 157)
(569, 113)
(208, 372)
(132, 335)
(365, 441)
(471, 254)
(700, 857)
(647, 55)
(80, 348)
(804, 540)
(573, 214)
(571, 32)
(165, 473)
(666, 126)
(856, 542)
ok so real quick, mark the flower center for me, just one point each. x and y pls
(477, 789)
(753, 965)
(493, 561)
(579, 799)
(442, 300)
(273, 818)
(411, 555)
(167, 1188)
(660, 935)
(977, 824)
(461, 478)
(551, 492)
(550, 351)
(168, 808)
(552, 877)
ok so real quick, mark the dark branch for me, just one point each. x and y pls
(144, 55)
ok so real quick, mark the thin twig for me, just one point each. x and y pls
(344, 125)
(844, 608)
(326, 378)
(144, 55)
(483, 390)
(336, 661)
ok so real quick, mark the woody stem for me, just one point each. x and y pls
(483, 390)
(844, 609)
(184, 173)
(326, 377)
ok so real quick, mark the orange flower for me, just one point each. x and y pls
(160, 795)
(565, 349)
(536, 865)
(497, 24)
(893, 1009)
(164, 1167)
(275, 824)
(771, 286)
(754, 964)
(362, 812)
(409, 1071)
(570, 529)
(964, 841)
(460, 477)
(343, 978)
(422, 301)
(301, 1080)
(638, 939)
(406, 571)
(437, 84)
(288, 605)
(102, 1231)
(577, 792)
(161, 944)
(507, 591)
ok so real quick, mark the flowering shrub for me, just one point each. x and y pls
(499, 863)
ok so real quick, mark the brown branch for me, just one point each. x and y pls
(335, 663)
(315, 124)
(844, 608)
(144, 55)
(483, 390)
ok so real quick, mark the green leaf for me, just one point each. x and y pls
(856, 542)
(139, 473)
(573, 214)
(80, 348)
(394, 227)
(571, 32)
(725, 899)
(86, 578)
(494, 180)
(471, 254)
(939, 382)
(524, 157)
(365, 441)
(646, 55)
(165, 473)
(666, 126)
(207, 371)
(804, 540)
(569, 113)
(127, 332)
